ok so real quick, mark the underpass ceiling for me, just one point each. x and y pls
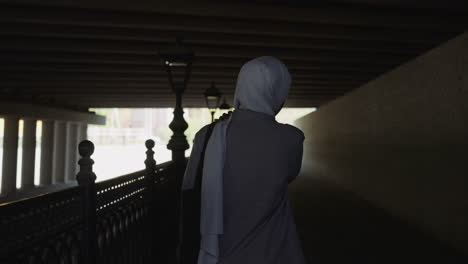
(104, 53)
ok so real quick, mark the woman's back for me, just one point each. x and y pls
(245, 216)
(262, 156)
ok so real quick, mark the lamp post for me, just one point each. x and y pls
(212, 98)
(177, 60)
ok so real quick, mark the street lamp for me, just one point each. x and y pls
(177, 61)
(212, 98)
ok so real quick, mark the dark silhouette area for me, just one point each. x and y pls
(337, 226)
(62, 58)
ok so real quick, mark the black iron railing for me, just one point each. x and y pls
(128, 219)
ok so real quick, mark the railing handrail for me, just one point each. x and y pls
(20, 200)
(139, 172)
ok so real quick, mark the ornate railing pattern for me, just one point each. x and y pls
(128, 219)
(122, 220)
(44, 229)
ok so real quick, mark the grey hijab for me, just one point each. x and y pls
(262, 86)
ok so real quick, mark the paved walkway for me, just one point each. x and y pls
(337, 226)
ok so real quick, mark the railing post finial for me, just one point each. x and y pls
(150, 165)
(86, 178)
(86, 174)
(150, 162)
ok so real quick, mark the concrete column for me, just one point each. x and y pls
(10, 155)
(29, 153)
(83, 134)
(47, 151)
(71, 167)
(60, 149)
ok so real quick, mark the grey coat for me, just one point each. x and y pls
(262, 157)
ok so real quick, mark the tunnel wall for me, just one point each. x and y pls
(400, 142)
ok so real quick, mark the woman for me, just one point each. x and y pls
(249, 160)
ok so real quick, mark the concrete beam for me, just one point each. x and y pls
(186, 15)
(23, 110)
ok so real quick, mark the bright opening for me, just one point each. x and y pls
(37, 161)
(120, 143)
(19, 158)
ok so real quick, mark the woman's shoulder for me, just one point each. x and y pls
(292, 132)
(201, 134)
(202, 131)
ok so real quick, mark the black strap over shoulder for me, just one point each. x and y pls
(198, 179)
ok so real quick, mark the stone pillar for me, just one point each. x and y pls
(71, 164)
(83, 133)
(47, 152)
(10, 154)
(29, 153)
(60, 148)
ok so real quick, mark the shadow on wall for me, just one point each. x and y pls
(336, 226)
